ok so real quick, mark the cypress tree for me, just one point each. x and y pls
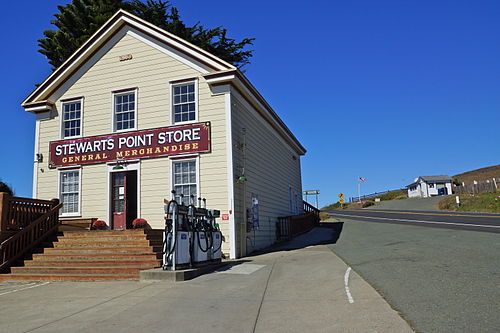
(77, 21)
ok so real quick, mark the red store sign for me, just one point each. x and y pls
(157, 142)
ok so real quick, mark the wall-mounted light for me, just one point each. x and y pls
(241, 179)
(118, 165)
(39, 158)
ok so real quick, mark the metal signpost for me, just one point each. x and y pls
(312, 192)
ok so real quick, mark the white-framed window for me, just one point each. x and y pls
(69, 192)
(431, 185)
(124, 110)
(184, 102)
(71, 124)
(185, 180)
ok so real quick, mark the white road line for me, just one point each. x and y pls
(346, 284)
(36, 285)
(420, 221)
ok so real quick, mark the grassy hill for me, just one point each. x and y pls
(483, 202)
(479, 174)
(393, 195)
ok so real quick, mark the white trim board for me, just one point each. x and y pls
(230, 174)
(34, 189)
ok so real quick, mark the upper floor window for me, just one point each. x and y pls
(71, 118)
(125, 107)
(184, 102)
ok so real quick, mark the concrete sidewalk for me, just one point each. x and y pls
(291, 289)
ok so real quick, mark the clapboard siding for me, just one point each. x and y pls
(271, 168)
(150, 71)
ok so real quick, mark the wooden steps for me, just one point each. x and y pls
(93, 256)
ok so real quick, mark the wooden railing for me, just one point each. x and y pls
(29, 233)
(308, 208)
(17, 213)
(291, 226)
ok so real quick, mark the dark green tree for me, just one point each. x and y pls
(5, 188)
(77, 21)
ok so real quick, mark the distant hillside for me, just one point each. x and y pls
(479, 174)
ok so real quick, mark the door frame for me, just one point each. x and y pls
(132, 166)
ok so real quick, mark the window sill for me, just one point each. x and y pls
(125, 130)
(70, 215)
(72, 137)
(185, 122)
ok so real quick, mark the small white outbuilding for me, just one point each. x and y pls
(428, 186)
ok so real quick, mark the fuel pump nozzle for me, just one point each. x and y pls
(169, 236)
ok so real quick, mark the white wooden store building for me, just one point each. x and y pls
(137, 112)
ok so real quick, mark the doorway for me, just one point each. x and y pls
(123, 199)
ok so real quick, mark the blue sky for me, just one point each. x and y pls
(386, 90)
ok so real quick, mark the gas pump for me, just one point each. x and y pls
(201, 236)
(191, 234)
(177, 236)
(215, 249)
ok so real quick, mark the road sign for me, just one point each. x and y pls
(341, 195)
(311, 192)
(341, 201)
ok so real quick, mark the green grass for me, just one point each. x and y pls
(481, 203)
(333, 206)
(393, 195)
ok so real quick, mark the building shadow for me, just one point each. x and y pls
(326, 234)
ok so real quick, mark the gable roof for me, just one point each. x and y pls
(103, 35)
(436, 178)
(214, 69)
(440, 178)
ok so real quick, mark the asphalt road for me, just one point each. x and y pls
(440, 277)
(448, 220)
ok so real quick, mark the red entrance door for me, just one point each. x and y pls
(119, 200)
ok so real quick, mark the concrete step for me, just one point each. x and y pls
(100, 250)
(100, 256)
(67, 277)
(78, 270)
(102, 244)
(85, 262)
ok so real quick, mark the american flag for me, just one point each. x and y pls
(361, 179)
